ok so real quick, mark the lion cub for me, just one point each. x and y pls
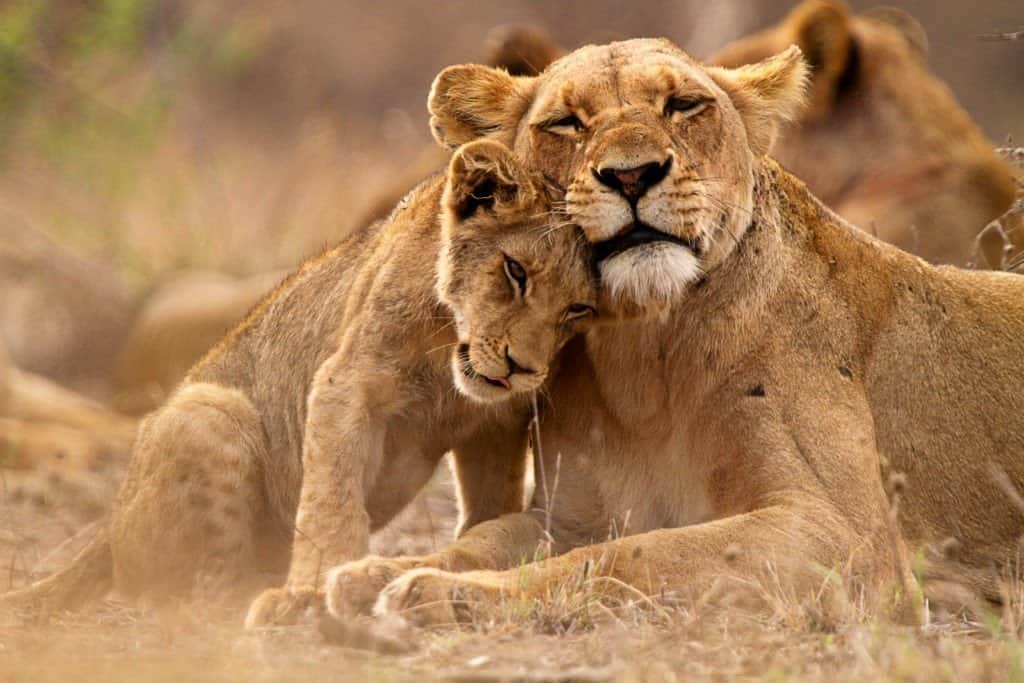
(327, 410)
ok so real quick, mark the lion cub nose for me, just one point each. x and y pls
(633, 183)
(514, 366)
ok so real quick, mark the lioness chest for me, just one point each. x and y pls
(622, 467)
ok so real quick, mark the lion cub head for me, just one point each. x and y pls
(657, 152)
(516, 274)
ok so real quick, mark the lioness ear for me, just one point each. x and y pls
(821, 29)
(483, 175)
(520, 49)
(766, 94)
(470, 101)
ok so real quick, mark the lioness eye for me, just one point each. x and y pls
(516, 274)
(687, 106)
(566, 124)
(578, 311)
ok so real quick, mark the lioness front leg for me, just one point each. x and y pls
(332, 524)
(792, 548)
(490, 474)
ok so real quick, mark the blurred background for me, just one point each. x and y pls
(242, 136)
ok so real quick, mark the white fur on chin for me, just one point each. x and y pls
(652, 272)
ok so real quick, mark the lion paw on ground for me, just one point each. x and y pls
(285, 607)
(352, 589)
(432, 597)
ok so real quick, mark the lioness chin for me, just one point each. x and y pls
(318, 418)
(741, 434)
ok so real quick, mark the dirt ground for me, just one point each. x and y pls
(543, 641)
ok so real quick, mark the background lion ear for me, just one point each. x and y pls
(520, 49)
(902, 21)
(483, 175)
(471, 101)
(821, 29)
(766, 94)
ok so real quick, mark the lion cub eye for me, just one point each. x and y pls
(516, 274)
(565, 126)
(687, 106)
(577, 311)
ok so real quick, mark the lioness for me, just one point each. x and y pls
(789, 363)
(341, 392)
(883, 142)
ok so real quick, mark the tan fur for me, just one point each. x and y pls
(884, 142)
(190, 312)
(325, 411)
(178, 324)
(745, 430)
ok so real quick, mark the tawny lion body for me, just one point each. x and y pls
(788, 368)
(320, 416)
(884, 142)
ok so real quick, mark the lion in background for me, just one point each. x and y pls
(883, 142)
(56, 444)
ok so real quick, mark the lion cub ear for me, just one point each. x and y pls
(766, 94)
(485, 176)
(470, 101)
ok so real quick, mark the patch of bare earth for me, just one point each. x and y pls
(569, 636)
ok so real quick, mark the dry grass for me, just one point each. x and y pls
(569, 634)
(114, 643)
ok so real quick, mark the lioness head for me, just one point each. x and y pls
(657, 152)
(517, 276)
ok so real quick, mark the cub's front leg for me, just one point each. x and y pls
(341, 443)
(494, 532)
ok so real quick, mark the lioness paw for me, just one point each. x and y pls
(352, 588)
(284, 607)
(431, 597)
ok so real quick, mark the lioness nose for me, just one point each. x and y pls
(633, 183)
